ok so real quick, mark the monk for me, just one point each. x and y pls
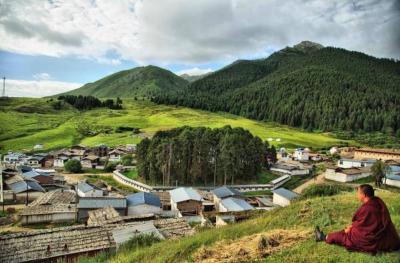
(371, 231)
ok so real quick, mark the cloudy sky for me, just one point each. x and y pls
(47, 47)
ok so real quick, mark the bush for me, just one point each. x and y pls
(73, 166)
(110, 166)
(325, 190)
(127, 160)
(139, 241)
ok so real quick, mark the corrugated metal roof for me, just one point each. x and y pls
(225, 191)
(184, 193)
(30, 174)
(85, 187)
(143, 198)
(393, 177)
(235, 204)
(22, 186)
(285, 193)
(100, 202)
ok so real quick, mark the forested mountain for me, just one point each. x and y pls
(192, 78)
(307, 86)
(137, 82)
(202, 156)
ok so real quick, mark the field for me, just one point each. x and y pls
(331, 213)
(27, 122)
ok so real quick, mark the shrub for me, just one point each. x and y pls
(139, 241)
(127, 160)
(73, 166)
(325, 190)
(110, 166)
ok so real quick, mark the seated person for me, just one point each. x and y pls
(371, 230)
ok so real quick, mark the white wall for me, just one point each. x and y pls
(92, 193)
(280, 200)
(58, 163)
(143, 209)
(341, 177)
(394, 183)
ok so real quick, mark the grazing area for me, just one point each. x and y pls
(27, 122)
(290, 225)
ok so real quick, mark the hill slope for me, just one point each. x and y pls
(141, 81)
(332, 213)
(32, 121)
(306, 86)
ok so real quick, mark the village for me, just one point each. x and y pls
(65, 215)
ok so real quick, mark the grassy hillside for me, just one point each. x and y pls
(332, 213)
(306, 86)
(56, 129)
(141, 82)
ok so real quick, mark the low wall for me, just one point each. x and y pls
(130, 182)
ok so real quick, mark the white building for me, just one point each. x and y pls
(86, 190)
(350, 163)
(283, 197)
(143, 203)
(346, 174)
(301, 154)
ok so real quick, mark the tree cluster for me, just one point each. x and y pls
(89, 102)
(202, 156)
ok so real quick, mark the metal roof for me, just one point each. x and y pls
(31, 174)
(143, 198)
(84, 187)
(225, 191)
(184, 193)
(235, 204)
(393, 177)
(22, 186)
(100, 202)
(285, 193)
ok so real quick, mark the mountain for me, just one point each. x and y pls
(192, 78)
(141, 81)
(308, 86)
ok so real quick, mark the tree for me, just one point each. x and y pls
(379, 170)
(110, 166)
(127, 160)
(73, 166)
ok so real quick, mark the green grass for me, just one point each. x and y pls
(266, 176)
(56, 129)
(133, 174)
(332, 213)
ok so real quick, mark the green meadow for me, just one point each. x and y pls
(26, 122)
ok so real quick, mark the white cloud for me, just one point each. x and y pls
(194, 71)
(42, 76)
(190, 32)
(37, 88)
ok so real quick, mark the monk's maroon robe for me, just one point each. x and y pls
(372, 230)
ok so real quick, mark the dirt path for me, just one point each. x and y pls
(318, 180)
(75, 178)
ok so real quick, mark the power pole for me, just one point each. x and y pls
(4, 86)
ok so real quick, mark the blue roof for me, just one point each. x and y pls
(143, 198)
(225, 191)
(100, 202)
(22, 186)
(30, 174)
(85, 187)
(285, 193)
(184, 193)
(236, 204)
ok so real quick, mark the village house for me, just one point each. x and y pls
(186, 200)
(301, 154)
(143, 203)
(116, 155)
(288, 169)
(350, 163)
(346, 174)
(14, 158)
(66, 244)
(23, 188)
(283, 196)
(86, 204)
(392, 177)
(86, 190)
(223, 192)
(51, 207)
(90, 161)
(377, 154)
